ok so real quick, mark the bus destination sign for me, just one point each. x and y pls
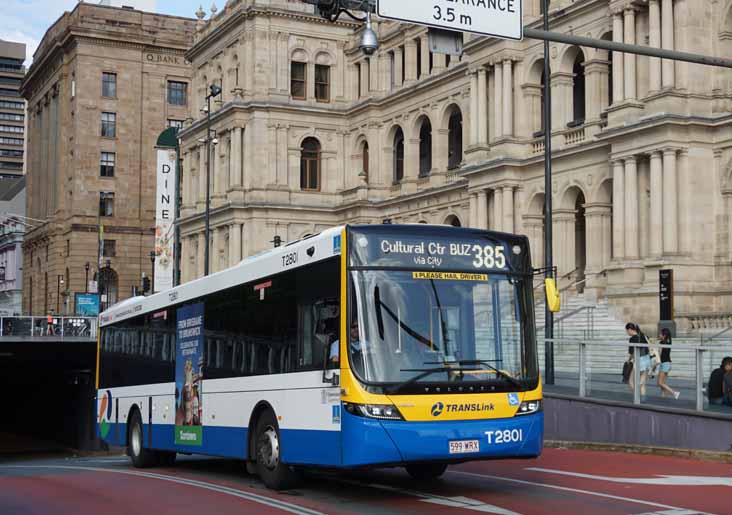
(497, 18)
(433, 252)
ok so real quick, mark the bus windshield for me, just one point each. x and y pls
(433, 327)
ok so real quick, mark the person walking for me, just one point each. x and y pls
(644, 360)
(664, 338)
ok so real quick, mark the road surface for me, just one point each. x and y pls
(560, 482)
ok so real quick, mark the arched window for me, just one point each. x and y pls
(365, 160)
(455, 139)
(108, 287)
(398, 155)
(425, 148)
(578, 89)
(310, 165)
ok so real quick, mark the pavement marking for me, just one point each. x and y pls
(670, 512)
(267, 501)
(576, 490)
(662, 480)
(465, 503)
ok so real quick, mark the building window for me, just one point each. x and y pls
(310, 165)
(10, 153)
(110, 248)
(68, 248)
(16, 129)
(109, 125)
(455, 139)
(12, 117)
(425, 148)
(178, 124)
(365, 160)
(358, 81)
(106, 204)
(578, 89)
(322, 83)
(109, 85)
(398, 156)
(177, 93)
(11, 141)
(106, 164)
(298, 75)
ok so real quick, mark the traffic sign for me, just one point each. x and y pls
(497, 18)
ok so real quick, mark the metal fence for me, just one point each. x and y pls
(39, 327)
(592, 368)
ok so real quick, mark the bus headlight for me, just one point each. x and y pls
(529, 407)
(380, 411)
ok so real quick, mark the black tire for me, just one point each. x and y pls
(275, 474)
(141, 457)
(426, 471)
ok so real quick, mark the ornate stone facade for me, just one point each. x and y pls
(642, 147)
(95, 62)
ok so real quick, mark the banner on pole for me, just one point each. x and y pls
(164, 220)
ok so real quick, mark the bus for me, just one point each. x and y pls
(363, 346)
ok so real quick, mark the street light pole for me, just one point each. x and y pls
(152, 275)
(59, 282)
(86, 280)
(214, 92)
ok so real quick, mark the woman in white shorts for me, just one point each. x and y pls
(664, 338)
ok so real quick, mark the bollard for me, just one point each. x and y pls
(636, 376)
(582, 373)
(699, 380)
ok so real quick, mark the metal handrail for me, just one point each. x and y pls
(697, 349)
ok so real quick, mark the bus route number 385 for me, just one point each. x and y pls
(488, 256)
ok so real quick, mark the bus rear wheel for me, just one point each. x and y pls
(275, 474)
(141, 457)
(426, 471)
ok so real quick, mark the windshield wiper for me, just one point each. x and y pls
(487, 363)
(424, 372)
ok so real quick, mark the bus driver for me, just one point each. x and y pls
(356, 344)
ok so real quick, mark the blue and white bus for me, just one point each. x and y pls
(362, 346)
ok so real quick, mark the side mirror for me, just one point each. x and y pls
(553, 300)
(334, 378)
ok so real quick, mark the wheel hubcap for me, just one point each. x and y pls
(269, 448)
(136, 440)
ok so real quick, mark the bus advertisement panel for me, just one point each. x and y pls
(189, 375)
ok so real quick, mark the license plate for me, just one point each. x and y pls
(464, 446)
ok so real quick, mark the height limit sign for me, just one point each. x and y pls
(497, 18)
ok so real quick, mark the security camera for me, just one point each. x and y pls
(369, 41)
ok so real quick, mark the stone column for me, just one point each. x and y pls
(438, 63)
(201, 258)
(215, 259)
(534, 228)
(398, 71)
(618, 209)
(657, 221)
(508, 225)
(654, 40)
(667, 40)
(473, 222)
(482, 112)
(497, 224)
(483, 209)
(385, 63)
(424, 48)
(630, 61)
(618, 60)
(410, 74)
(202, 158)
(474, 102)
(631, 208)
(187, 170)
(507, 98)
(596, 73)
(686, 224)
(234, 244)
(498, 101)
(236, 157)
(670, 203)
(364, 69)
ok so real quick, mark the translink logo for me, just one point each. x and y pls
(438, 408)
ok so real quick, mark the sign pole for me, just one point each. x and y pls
(548, 234)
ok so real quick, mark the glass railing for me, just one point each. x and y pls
(39, 327)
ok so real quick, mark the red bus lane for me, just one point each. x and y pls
(616, 477)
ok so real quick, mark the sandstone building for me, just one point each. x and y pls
(312, 133)
(104, 83)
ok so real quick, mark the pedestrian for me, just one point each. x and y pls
(644, 361)
(719, 389)
(664, 338)
(50, 331)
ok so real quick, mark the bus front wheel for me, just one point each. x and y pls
(141, 457)
(426, 471)
(275, 474)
